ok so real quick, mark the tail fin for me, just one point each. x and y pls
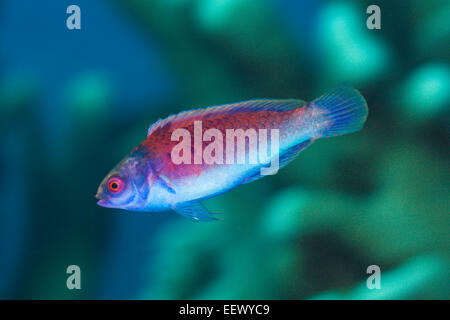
(344, 108)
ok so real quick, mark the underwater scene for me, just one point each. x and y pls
(92, 208)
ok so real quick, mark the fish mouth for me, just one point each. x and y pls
(102, 202)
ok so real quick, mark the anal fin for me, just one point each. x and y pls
(284, 159)
(293, 152)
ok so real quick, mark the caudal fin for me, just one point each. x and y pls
(344, 110)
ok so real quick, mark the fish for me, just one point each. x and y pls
(168, 171)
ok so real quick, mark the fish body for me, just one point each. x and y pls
(152, 178)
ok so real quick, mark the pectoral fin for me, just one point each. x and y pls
(195, 211)
(165, 182)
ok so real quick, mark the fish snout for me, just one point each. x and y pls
(104, 203)
(101, 201)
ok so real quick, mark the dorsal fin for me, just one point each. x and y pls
(245, 106)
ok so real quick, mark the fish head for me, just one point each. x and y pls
(127, 185)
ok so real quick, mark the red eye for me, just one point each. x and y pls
(115, 185)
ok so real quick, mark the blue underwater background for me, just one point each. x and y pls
(73, 103)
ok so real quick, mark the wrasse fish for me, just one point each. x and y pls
(150, 179)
